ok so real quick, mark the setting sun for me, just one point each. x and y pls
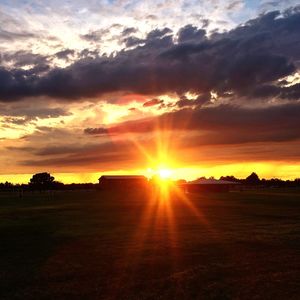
(164, 173)
(161, 173)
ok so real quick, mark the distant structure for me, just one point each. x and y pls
(209, 185)
(111, 182)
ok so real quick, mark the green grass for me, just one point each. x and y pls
(101, 245)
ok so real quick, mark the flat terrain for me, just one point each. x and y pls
(138, 245)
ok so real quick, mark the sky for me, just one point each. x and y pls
(201, 88)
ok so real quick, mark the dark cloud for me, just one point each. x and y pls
(238, 62)
(90, 54)
(199, 101)
(133, 41)
(22, 114)
(249, 71)
(24, 58)
(153, 102)
(129, 30)
(190, 33)
(154, 38)
(65, 54)
(97, 131)
(158, 33)
(8, 121)
(205, 22)
(25, 64)
(291, 92)
(95, 36)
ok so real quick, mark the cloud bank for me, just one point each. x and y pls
(246, 62)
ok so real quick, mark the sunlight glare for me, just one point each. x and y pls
(164, 173)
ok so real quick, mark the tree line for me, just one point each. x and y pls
(253, 179)
(45, 181)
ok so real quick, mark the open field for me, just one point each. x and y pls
(100, 245)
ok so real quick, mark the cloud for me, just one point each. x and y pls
(129, 30)
(235, 62)
(153, 38)
(153, 102)
(65, 54)
(103, 161)
(234, 5)
(95, 36)
(194, 133)
(224, 124)
(10, 36)
(291, 92)
(74, 160)
(97, 131)
(199, 101)
(191, 33)
(133, 41)
(23, 113)
(23, 58)
(70, 149)
(82, 155)
(237, 134)
(12, 29)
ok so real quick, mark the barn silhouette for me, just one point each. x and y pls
(110, 182)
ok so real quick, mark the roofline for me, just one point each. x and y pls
(211, 183)
(122, 176)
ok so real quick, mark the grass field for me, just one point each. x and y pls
(100, 245)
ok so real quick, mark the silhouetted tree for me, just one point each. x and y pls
(6, 186)
(41, 181)
(252, 179)
(229, 178)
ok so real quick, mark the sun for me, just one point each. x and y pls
(160, 173)
(164, 173)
